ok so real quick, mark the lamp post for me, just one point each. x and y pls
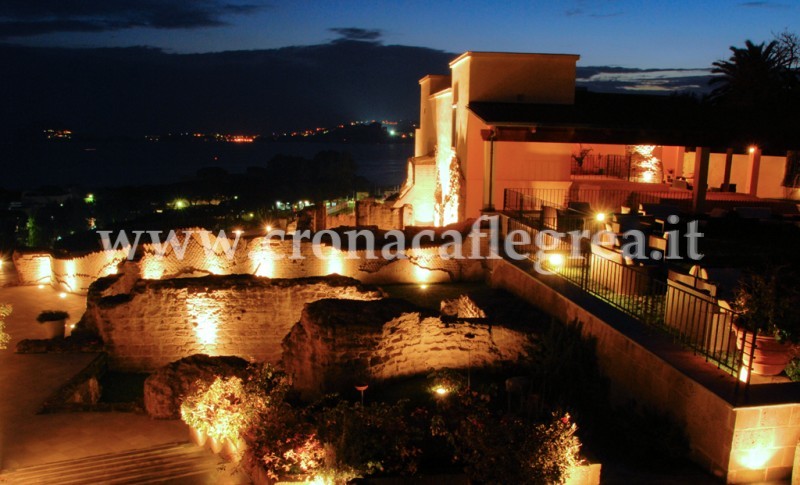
(361, 389)
(469, 336)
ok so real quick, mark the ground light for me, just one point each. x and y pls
(556, 260)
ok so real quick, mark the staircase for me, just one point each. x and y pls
(174, 463)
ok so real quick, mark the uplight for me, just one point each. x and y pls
(556, 259)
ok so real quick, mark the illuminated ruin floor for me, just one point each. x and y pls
(27, 380)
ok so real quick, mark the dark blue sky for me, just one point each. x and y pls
(642, 34)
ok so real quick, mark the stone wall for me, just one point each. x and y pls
(764, 443)
(371, 212)
(337, 344)
(158, 322)
(206, 255)
(739, 444)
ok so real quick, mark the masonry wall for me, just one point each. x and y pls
(207, 255)
(764, 443)
(158, 322)
(637, 373)
(738, 444)
(338, 344)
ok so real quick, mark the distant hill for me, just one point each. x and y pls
(651, 81)
(139, 90)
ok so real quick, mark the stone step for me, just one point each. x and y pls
(170, 463)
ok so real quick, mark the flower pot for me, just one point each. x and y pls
(198, 437)
(54, 329)
(232, 450)
(215, 444)
(770, 356)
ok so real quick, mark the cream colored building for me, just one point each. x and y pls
(509, 121)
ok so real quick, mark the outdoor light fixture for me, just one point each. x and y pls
(751, 150)
(600, 217)
(440, 391)
(555, 259)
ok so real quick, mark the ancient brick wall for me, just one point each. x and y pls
(206, 255)
(158, 322)
(337, 343)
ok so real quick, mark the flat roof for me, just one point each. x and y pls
(635, 118)
(509, 54)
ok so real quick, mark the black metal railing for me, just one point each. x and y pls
(614, 166)
(692, 317)
(528, 199)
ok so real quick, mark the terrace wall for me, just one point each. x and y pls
(254, 256)
(739, 444)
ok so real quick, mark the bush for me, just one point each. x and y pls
(5, 310)
(793, 370)
(222, 410)
(52, 316)
(496, 448)
(364, 440)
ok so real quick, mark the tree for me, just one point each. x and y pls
(788, 50)
(5, 310)
(754, 77)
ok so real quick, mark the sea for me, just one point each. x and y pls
(128, 163)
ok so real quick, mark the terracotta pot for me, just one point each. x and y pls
(770, 356)
(215, 444)
(54, 329)
(232, 450)
(198, 437)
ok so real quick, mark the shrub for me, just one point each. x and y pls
(52, 316)
(495, 448)
(5, 310)
(222, 410)
(363, 440)
(793, 370)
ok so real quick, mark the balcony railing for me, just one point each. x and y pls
(525, 200)
(602, 166)
(691, 316)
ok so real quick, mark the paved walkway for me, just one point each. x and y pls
(28, 439)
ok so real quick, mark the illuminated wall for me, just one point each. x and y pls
(251, 256)
(451, 134)
(392, 340)
(162, 321)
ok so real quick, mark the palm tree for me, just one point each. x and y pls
(753, 77)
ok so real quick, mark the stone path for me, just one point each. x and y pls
(174, 463)
(28, 439)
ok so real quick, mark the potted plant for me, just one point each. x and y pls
(767, 308)
(54, 322)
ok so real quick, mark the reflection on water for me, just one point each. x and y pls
(117, 163)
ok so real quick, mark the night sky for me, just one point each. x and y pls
(641, 34)
(112, 67)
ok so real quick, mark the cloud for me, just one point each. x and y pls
(356, 33)
(763, 4)
(22, 18)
